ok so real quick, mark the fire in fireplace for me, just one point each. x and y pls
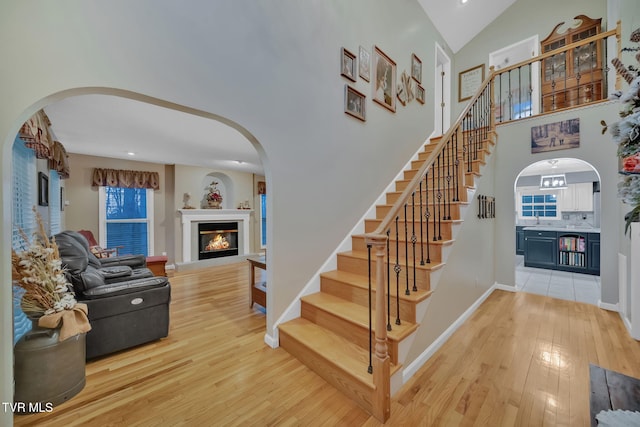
(218, 239)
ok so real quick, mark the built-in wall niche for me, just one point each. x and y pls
(224, 185)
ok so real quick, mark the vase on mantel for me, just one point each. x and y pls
(47, 371)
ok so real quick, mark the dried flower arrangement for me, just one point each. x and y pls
(38, 271)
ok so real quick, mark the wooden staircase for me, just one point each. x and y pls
(332, 334)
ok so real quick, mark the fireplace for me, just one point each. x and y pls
(217, 239)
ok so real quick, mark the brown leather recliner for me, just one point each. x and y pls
(127, 304)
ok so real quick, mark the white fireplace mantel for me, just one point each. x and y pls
(190, 216)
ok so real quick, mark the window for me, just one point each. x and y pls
(55, 226)
(24, 194)
(263, 221)
(539, 205)
(126, 219)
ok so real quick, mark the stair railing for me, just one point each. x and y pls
(514, 84)
(439, 181)
(423, 207)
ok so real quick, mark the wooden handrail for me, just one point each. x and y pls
(557, 51)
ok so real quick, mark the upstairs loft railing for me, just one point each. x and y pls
(566, 77)
(401, 242)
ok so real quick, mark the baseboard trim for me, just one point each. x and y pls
(608, 307)
(271, 341)
(414, 366)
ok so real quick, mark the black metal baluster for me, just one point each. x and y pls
(426, 213)
(510, 96)
(530, 92)
(413, 236)
(406, 250)
(433, 186)
(388, 282)
(397, 269)
(439, 211)
(421, 234)
(456, 178)
(370, 369)
(447, 196)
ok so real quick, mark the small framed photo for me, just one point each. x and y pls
(384, 78)
(348, 65)
(416, 68)
(354, 103)
(469, 82)
(420, 94)
(364, 64)
(43, 189)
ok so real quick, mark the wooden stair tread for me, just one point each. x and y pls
(362, 282)
(402, 261)
(356, 313)
(341, 352)
(443, 242)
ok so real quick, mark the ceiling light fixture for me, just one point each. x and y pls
(131, 153)
(464, 1)
(552, 182)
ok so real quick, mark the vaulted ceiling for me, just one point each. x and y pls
(110, 126)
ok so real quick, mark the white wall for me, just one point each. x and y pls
(270, 70)
(514, 154)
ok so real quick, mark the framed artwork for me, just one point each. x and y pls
(384, 77)
(420, 94)
(348, 61)
(364, 64)
(354, 103)
(416, 68)
(469, 82)
(555, 136)
(43, 189)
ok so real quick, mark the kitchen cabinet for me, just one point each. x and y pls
(566, 250)
(519, 240)
(594, 253)
(577, 197)
(540, 248)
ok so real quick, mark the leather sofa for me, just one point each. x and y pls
(128, 305)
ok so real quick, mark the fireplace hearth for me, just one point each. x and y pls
(217, 239)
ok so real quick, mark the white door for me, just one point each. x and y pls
(517, 92)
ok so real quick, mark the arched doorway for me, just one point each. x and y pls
(106, 110)
(557, 220)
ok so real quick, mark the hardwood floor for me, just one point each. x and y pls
(522, 359)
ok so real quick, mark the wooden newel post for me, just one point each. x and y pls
(380, 362)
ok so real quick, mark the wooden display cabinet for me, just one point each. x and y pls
(575, 76)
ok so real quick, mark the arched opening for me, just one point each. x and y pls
(557, 219)
(236, 174)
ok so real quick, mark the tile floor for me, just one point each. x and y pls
(557, 284)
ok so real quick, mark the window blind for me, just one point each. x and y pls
(24, 196)
(54, 203)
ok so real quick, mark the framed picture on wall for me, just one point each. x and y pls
(354, 103)
(416, 68)
(43, 189)
(469, 82)
(420, 94)
(348, 61)
(364, 64)
(384, 78)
